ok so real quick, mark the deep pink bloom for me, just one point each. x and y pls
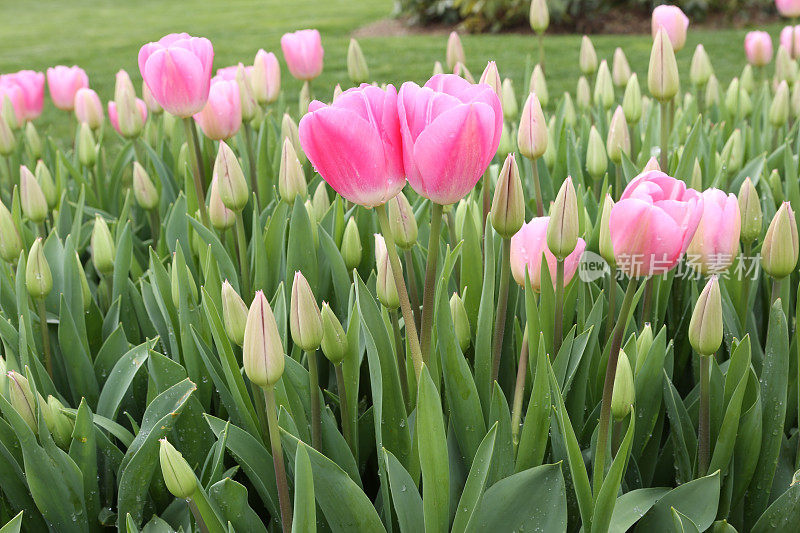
(32, 85)
(113, 117)
(528, 246)
(177, 70)
(355, 145)
(221, 117)
(303, 52)
(674, 22)
(653, 223)
(790, 39)
(788, 8)
(12, 93)
(716, 242)
(451, 129)
(63, 83)
(88, 109)
(758, 48)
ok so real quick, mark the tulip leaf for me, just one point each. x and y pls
(13, 525)
(120, 379)
(433, 461)
(476, 483)
(405, 496)
(305, 510)
(783, 514)
(697, 499)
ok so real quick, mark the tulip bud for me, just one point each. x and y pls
(662, 75)
(45, 181)
(750, 211)
(784, 70)
(549, 156)
(779, 109)
(102, 247)
(234, 313)
(700, 70)
(733, 152)
(59, 424)
(88, 109)
(175, 281)
(33, 141)
(619, 139)
(233, 188)
(733, 96)
(178, 475)
(38, 279)
(304, 99)
(644, 340)
(780, 247)
(437, 68)
(508, 204)
(337, 91)
(697, 176)
(583, 94)
(562, 231)
(10, 241)
(7, 141)
(624, 391)
(603, 87)
(795, 100)
(334, 339)
(289, 131)
(291, 178)
(508, 100)
(305, 319)
(21, 398)
(532, 133)
(632, 100)
(705, 327)
(247, 99)
(129, 116)
(221, 217)
(491, 77)
(351, 245)
(588, 57)
(266, 77)
(262, 351)
(455, 52)
(776, 186)
(87, 149)
(356, 63)
(605, 244)
(402, 222)
(539, 16)
(506, 145)
(320, 201)
(747, 80)
(538, 85)
(620, 69)
(34, 204)
(86, 294)
(460, 321)
(712, 91)
(385, 285)
(143, 189)
(152, 105)
(570, 117)
(596, 160)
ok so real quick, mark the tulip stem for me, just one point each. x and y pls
(402, 293)
(500, 317)
(598, 469)
(451, 229)
(413, 291)
(313, 386)
(664, 137)
(647, 303)
(703, 429)
(612, 301)
(155, 227)
(487, 199)
(204, 515)
(430, 280)
(241, 245)
(537, 188)
(745, 301)
(519, 389)
(559, 316)
(251, 158)
(48, 361)
(401, 361)
(776, 290)
(198, 172)
(277, 460)
(347, 432)
(540, 38)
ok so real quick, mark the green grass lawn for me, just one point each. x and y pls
(103, 36)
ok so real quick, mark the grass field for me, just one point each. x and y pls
(103, 36)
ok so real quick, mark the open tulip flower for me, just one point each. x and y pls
(303, 52)
(221, 117)
(529, 247)
(674, 22)
(758, 48)
(790, 39)
(63, 83)
(32, 85)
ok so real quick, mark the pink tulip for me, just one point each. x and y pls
(355, 144)
(716, 242)
(221, 117)
(32, 85)
(451, 130)
(64, 82)
(674, 22)
(653, 223)
(229, 73)
(113, 116)
(266, 78)
(177, 70)
(303, 52)
(788, 8)
(88, 109)
(12, 94)
(527, 247)
(758, 48)
(790, 39)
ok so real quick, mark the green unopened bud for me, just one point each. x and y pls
(312, 217)
(532, 133)
(697, 176)
(234, 313)
(776, 186)
(644, 340)
(538, 85)
(705, 327)
(624, 391)
(583, 94)
(247, 98)
(539, 16)
(87, 149)
(220, 216)
(33, 141)
(304, 316)
(455, 51)
(712, 91)
(356, 63)
(750, 211)
(662, 75)
(289, 131)
(233, 188)
(794, 101)
(144, 191)
(21, 398)
(603, 87)
(59, 424)
(467, 212)
(291, 178)
(588, 57)
(562, 230)
(262, 351)
(700, 70)
(549, 156)
(337, 91)
(733, 97)
(8, 114)
(102, 247)
(570, 117)
(351, 245)
(38, 279)
(780, 248)
(779, 109)
(462, 70)
(437, 68)
(620, 68)
(86, 294)
(460, 321)
(491, 77)
(733, 152)
(48, 186)
(334, 339)
(178, 476)
(402, 221)
(596, 159)
(7, 141)
(34, 204)
(304, 98)
(508, 204)
(320, 202)
(508, 100)
(506, 145)
(619, 138)
(605, 244)
(129, 117)
(632, 100)
(747, 80)
(175, 282)
(385, 285)
(10, 241)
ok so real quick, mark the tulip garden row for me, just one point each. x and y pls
(426, 308)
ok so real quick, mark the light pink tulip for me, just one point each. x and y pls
(303, 52)
(451, 129)
(355, 144)
(113, 117)
(32, 85)
(790, 39)
(177, 70)
(788, 8)
(229, 73)
(758, 48)
(674, 22)
(266, 79)
(12, 93)
(63, 83)
(88, 109)
(653, 223)
(527, 247)
(221, 117)
(716, 242)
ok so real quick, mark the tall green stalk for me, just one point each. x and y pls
(704, 422)
(277, 459)
(198, 173)
(664, 136)
(559, 311)
(428, 290)
(244, 263)
(519, 389)
(500, 316)
(313, 385)
(251, 159)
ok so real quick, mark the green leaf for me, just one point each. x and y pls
(230, 498)
(83, 450)
(697, 499)
(433, 455)
(475, 484)
(120, 379)
(783, 514)
(13, 525)
(606, 498)
(78, 365)
(484, 327)
(300, 252)
(405, 496)
(633, 505)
